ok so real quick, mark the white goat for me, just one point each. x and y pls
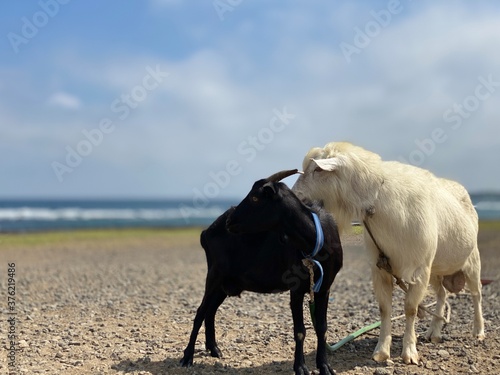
(426, 226)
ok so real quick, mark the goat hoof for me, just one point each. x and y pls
(302, 370)
(186, 361)
(410, 361)
(215, 352)
(410, 358)
(436, 339)
(433, 336)
(380, 356)
(325, 369)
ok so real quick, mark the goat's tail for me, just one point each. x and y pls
(203, 239)
(204, 244)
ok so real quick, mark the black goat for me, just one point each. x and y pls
(259, 246)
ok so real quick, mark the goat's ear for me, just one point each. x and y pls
(328, 165)
(269, 189)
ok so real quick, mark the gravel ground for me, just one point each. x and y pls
(125, 305)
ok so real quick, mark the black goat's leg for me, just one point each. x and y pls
(321, 300)
(187, 360)
(210, 342)
(299, 332)
(212, 290)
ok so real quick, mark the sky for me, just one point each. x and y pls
(199, 99)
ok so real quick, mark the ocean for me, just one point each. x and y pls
(41, 215)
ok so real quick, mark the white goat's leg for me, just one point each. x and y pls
(434, 331)
(382, 284)
(472, 272)
(416, 293)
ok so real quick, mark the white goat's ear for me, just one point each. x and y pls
(328, 165)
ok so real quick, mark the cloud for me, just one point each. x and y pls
(64, 100)
(222, 89)
(385, 100)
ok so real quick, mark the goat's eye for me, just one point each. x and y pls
(255, 199)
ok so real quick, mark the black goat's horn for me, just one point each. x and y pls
(281, 175)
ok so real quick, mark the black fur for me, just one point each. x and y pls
(258, 246)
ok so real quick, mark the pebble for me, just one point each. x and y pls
(443, 353)
(116, 310)
(382, 371)
(23, 344)
(246, 363)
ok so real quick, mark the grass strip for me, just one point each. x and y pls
(70, 236)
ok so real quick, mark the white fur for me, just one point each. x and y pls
(426, 225)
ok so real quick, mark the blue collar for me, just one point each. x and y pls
(320, 240)
(320, 237)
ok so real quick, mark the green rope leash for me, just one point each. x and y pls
(359, 332)
(345, 340)
(312, 309)
(352, 336)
